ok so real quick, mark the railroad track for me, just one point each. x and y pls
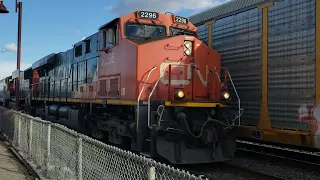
(307, 157)
(226, 171)
(262, 161)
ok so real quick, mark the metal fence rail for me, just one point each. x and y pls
(61, 153)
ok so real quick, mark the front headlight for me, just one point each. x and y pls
(188, 44)
(187, 48)
(187, 52)
(179, 94)
(226, 95)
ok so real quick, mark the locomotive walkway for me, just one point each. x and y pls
(10, 167)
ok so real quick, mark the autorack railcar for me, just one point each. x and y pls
(272, 48)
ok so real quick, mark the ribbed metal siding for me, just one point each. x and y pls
(291, 62)
(203, 33)
(225, 9)
(238, 39)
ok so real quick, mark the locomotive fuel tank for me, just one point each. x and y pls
(63, 112)
(70, 117)
(51, 113)
(53, 110)
(65, 115)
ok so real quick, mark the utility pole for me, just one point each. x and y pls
(19, 11)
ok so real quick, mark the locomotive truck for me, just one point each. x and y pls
(143, 82)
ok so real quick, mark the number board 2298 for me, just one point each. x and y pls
(182, 20)
(148, 15)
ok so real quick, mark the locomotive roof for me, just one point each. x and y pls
(226, 9)
(108, 23)
(43, 61)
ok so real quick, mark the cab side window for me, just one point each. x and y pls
(114, 35)
(78, 51)
(110, 36)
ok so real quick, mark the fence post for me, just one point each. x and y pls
(19, 129)
(80, 158)
(30, 137)
(48, 147)
(152, 173)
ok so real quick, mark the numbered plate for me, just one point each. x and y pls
(148, 15)
(181, 20)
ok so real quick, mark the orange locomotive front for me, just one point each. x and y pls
(156, 62)
(144, 82)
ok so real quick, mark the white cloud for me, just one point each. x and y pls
(12, 47)
(127, 6)
(7, 67)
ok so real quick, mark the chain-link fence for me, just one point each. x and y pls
(61, 153)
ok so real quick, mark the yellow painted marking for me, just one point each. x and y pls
(264, 120)
(266, 5)
(209, 25)
(75, 100)
(193, 104)
(291, 137)
(271, 133)
(121, 102)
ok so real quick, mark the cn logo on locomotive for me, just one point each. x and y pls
(164, 67)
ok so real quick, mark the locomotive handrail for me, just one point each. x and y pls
(138, 103)
(154, 87)
(235, 90)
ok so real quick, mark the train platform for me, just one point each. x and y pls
(11, 167)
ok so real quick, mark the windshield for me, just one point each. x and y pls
(177, 31)
(145, 30)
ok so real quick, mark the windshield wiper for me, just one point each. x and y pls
(144, 31)
(139, 24)
(155, 25)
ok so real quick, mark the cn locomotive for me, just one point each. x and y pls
(143, 82)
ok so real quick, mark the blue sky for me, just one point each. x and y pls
(55, 25)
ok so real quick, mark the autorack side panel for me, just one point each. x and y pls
(290, 32)
(291, 62)
(238, 39)
(203, 33)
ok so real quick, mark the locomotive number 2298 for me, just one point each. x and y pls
(182, 20)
